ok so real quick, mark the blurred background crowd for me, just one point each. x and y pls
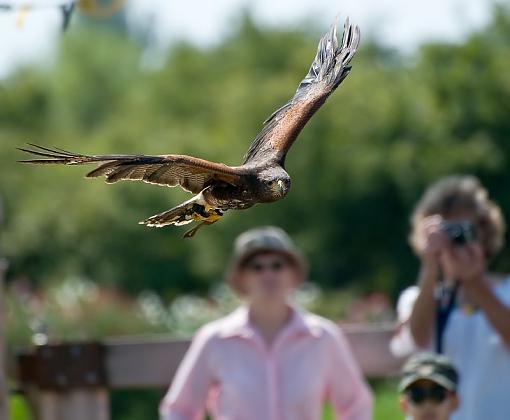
(81, 267)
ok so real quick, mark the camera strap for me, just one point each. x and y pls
(445, 302)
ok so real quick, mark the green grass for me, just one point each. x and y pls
(18, 408)
(386, 402)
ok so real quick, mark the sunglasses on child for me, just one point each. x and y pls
(419, 394)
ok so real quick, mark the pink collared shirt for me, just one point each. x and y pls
(230, 369)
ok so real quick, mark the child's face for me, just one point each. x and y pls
(426, 400)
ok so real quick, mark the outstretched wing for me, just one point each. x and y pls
(190, 173)
(329, 68)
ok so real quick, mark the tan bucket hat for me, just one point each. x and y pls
(262, 240)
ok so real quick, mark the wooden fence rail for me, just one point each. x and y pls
(71, 381)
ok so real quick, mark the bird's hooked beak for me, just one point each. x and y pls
(281, 186)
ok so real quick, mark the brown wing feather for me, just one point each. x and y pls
(328, 70)
(190, 173)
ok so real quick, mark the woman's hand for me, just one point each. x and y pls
(465, 263)
(432, 240)
(468, 263)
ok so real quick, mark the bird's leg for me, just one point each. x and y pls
(208, 218)
(190, 233)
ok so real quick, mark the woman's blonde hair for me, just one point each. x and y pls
(458, 195)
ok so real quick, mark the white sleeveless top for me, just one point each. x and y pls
(478, 352)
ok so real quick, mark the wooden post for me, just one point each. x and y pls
(90, 404)
(4, 398)
(66, 381)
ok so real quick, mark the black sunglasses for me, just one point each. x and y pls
(419, 394)
(275, 265)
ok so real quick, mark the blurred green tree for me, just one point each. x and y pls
(397, 124)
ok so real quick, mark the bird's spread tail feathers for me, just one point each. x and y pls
(194, 210)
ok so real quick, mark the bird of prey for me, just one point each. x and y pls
(217, 187)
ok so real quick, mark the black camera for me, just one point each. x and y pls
(459, 232)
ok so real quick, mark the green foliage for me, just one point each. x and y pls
(395, 125)
(78, 309)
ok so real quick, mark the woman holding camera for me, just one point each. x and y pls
(459, 308)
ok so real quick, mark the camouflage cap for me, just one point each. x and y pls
(433, 367)
(262, 240)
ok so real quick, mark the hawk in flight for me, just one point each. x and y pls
(217, 187)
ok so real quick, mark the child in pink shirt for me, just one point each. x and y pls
(267, 360)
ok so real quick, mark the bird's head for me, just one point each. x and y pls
(276, 185)
(280, 187)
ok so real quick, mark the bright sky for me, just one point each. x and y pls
(400, 23)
